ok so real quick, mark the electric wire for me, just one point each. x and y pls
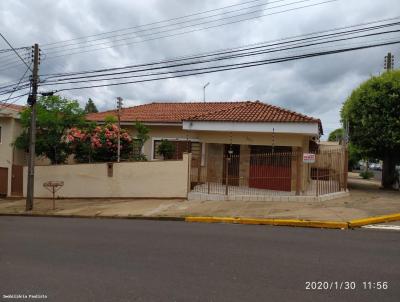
(225, 49)
(189, 31)
(237, 66)
(240, 54)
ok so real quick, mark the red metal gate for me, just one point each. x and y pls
(272, 171)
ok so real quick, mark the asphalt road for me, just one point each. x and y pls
(131, 260)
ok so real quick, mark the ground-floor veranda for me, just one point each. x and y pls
(254, 170)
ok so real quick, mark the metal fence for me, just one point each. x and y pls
(275, 173)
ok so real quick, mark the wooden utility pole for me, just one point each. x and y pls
(119, 106)
(32, 130)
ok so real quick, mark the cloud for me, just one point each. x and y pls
(316, 86)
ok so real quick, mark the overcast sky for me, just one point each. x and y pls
(316, 86)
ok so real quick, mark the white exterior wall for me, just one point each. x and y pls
(6, 154)
(222, 137)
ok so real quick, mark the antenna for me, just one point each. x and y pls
(204, 91)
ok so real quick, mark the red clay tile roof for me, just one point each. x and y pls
(256, 112)
(14, 107)
(163, 112)
(248, 111)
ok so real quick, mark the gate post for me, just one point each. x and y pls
(298, 170)
(198, 170)
(346, 167)
(317, 180)
(226, 176)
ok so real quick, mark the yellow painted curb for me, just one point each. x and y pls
(272, 221)
(374, 220)
(211, 219)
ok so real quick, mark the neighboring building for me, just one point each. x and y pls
(213, 130)
(11, 159)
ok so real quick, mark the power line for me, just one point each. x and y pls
(163, 26)
(10, 84)
(6, 50)
(17, 97)
(188, 26)
(15, 51)
(13, 64)
(240, 53)
(239, 66)
(16, 89)
(235, 56)
(225, 49)
(154, 74)
(153, 23)
(189, 31)
(233, 67)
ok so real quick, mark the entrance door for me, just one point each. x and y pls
(233, 161)
(270, 170)
(16, 181)
(3, 181)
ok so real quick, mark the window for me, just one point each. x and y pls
(181, 146)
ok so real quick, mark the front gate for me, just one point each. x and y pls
(3, 181)
(276, 172)
(17, 180)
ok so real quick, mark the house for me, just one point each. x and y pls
(246, 145)
(210, 126)
(11, 159)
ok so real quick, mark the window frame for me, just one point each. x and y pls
(153, 139)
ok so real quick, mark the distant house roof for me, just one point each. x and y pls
(245, 111)
(10, 110)
(14, 107)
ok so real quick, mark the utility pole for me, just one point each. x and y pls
(32, 130)
(119, 106)
(204, 91)
(389, 61)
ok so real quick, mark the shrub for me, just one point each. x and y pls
(99, 144)
(366, 174)
(166, 149)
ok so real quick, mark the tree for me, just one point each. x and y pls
(99, 144)
(90, 107)
(336, 135)
(141, 137)
(355, 155)
(373, 112)
(110, 119)
(55, 115)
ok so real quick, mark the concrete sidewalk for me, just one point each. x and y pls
(365, 200)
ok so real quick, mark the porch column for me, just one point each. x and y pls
(244, 165)
(299, 170)
(215, 155)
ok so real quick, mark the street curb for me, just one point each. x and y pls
(236, 220)
(160, 218)
(373, 220)
(272, 221)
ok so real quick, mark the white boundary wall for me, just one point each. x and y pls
(158, 179)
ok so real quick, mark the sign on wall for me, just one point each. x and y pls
(308, 158)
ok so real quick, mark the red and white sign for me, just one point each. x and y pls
(308, 158)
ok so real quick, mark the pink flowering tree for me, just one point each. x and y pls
(99, 144)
